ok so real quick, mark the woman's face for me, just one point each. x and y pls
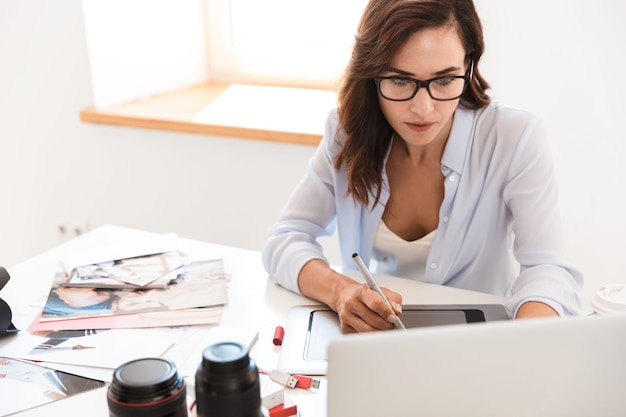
(428, 54)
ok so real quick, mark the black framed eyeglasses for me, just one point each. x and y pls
(398, 88)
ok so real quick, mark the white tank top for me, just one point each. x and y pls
(395, 256)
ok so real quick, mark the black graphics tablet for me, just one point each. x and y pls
(310, 329)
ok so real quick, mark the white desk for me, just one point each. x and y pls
(254, 301)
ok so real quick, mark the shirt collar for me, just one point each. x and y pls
(459, 140)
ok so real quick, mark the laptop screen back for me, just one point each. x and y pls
(551, 367)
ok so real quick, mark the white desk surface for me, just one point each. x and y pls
(254, 302)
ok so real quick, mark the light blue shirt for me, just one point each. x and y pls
(499, 227)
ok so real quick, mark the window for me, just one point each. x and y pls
(139, 48)
(281, 42)
(158, 63)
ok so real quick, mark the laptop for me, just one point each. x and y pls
(537, 367)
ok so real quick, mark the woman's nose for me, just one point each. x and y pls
(422, 103)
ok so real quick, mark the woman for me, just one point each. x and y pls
(426, 178)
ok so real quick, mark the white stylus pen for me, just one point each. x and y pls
(369, 278)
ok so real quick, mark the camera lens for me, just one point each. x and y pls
(149, 387)
(227, 382)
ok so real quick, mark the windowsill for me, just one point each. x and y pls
(265, 113)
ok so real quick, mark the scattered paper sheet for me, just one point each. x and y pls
(172, 318)
(25, 385)
(139, 246)
(98, 348)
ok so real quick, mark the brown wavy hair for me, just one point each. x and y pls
(385, 27)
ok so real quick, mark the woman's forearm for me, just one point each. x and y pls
(317, 280)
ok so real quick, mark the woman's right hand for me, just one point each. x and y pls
(360, 309)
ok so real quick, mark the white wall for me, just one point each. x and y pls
(562, 59)
(54, 168)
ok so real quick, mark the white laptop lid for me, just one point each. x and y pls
(545, 368)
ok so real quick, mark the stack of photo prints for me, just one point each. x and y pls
(153, 290)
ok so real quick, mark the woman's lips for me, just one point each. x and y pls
(419, 127)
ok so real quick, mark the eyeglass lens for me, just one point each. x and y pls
(400, 89)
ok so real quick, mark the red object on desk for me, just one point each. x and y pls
(287, 409)
(279, 333)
